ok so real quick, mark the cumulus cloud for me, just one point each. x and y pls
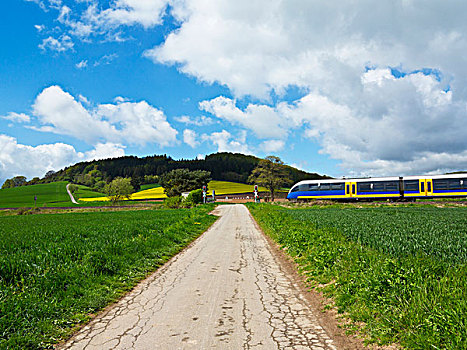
(384, 91)
(399, 125)
(197, 121)
(261, 119)
(18, 159)
(135, 123)
(271, 146)
(82, 64)
(190, 138)
(17, 117)
(225, 142)
(62, 44)
(90, 20)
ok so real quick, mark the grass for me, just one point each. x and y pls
(50, 195)
(400, 271)
(86, 192)
(58, 269)
(149, 186)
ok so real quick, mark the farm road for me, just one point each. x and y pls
(227, 291)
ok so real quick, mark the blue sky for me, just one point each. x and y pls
(329, 88)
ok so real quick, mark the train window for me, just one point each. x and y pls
(337, 187)
(303, 188)
(353, 189)
(422, 187)
(428, 186)
(378, 186)
(440, 184)
(325, 187)
(295, 189)
(454, 184)
(391, 186)
(464, 183)
(314, 187)
(364, 186)
(411, 185)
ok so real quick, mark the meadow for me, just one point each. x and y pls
(48, 195)
(56, 270)
(399, 273)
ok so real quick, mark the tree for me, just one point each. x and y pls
(16, 181)
(270, 173)
(182, 180)
(118, 189)
(73, 188)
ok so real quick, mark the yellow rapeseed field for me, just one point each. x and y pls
(220, 187)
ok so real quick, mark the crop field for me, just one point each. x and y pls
(86, 192)
(226, 187)
(50, 195)
(157, 192)
(401, 271)
(58, 269)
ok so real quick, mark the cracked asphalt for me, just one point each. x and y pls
(227, 291)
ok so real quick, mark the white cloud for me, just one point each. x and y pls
(403, 126)
(106, 59)
(18, 159)
(262, 120)
(39, 28)
(198, 121)
(82, 64)
(61, 44)
(225, 142)
(124, 122)
(147, 13)
(372, 119)
(17, 117)
(189, 137)
(272, 146)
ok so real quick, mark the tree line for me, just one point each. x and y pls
(97, 174)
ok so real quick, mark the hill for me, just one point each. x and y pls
(50, 195)
(232, 167)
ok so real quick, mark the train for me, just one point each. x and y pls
(408, 188)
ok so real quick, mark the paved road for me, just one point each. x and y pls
(71, 196)
(227, 291)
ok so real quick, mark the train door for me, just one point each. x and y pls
(351, 189)
(429, 187)
(347, 190)
(422, 187)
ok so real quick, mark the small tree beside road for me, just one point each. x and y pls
(119, 189)
(177, 181)
(270, 173)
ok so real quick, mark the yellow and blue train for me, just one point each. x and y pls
(393, 188)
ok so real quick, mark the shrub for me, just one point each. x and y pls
(195, 196)
(173, 202)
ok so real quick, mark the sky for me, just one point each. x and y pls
(354, 88)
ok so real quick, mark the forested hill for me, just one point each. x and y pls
(223, 166)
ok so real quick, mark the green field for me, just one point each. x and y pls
(149, 186)
(86, 192)
(51, 195)
(400, 271)
(58, 269)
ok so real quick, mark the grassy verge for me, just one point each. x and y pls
(400, 271)
(57, 270)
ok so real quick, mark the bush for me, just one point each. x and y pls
(173, 202)
(195, 196)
